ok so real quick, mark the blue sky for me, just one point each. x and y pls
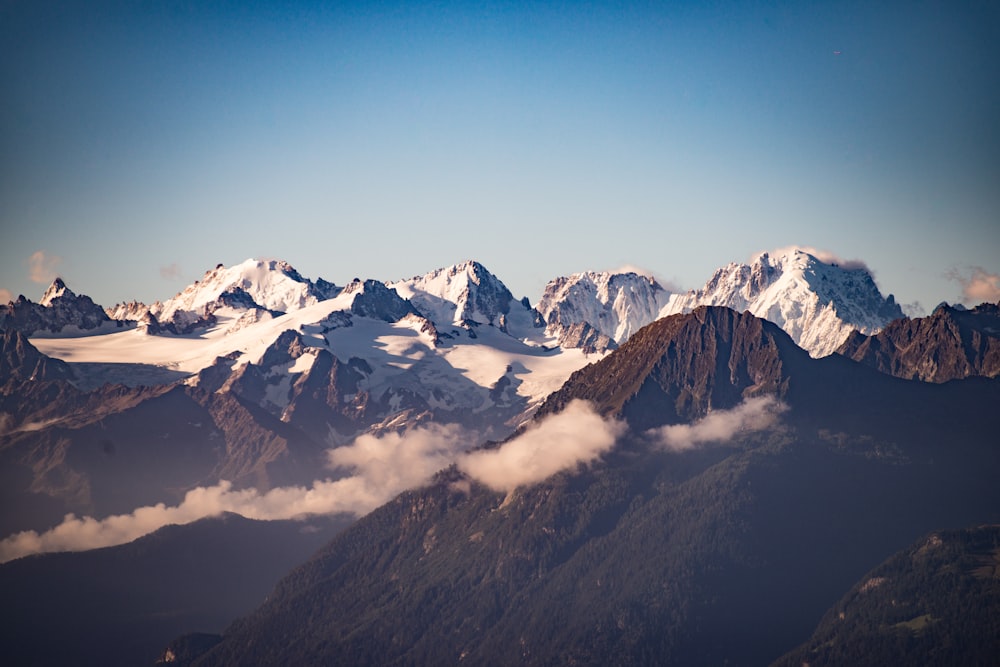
(143, 143)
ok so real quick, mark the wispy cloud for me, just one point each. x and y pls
(171, 272)
(979, 287)
(753, 414)
(576, 436)
(42, 267)
(6, 296)
(822, 255)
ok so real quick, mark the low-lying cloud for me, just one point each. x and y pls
(377, 467)
(574, 437)
(6, 296)
(719, 426)
(979, 287)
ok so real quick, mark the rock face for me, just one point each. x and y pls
(600, 310)
(688, 365)
(60, 307)
(21, 361)
(947, 345)
(377, 301)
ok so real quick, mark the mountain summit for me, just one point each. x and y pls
(817, 303)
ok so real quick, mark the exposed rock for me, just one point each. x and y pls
(377, 301)
(60, 307)
(949, 344)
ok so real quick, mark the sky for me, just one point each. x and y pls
(143, 143)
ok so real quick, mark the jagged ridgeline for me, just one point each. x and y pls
(724, 552)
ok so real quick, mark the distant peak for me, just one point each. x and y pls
(56, 289)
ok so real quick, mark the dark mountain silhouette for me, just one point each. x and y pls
(121, 605)
(727, 553)
(950, 344)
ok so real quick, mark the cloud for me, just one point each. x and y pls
(824, 256)
(42, 267)
(6, 296)
(171, 272)
(564, 441)
(381, 468)
(393, 462)
(981, 286)
(753, 414)
(913, 309)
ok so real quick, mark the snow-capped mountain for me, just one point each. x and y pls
(465, 296)
(600, 309)
(453, 343)
(258, 287)
(817, 303)
(60, 311)
(253, 376)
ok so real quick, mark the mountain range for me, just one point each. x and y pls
(621, 472)
(253, 372)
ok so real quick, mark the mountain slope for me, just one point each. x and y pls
(948, 345)
(121, 605)
(656, 553)
(935, 603)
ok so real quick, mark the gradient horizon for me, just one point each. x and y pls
(143, 145)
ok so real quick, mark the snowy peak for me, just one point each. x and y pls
(605, 307)
(56, 290)
(267, 285)
(465, 294)
(817, 302)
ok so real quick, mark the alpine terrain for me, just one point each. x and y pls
(618, 473)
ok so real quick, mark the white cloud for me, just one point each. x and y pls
(753, 414)
(42, 267)
(824, 256)
(979, 287)
(564, 441)
(379, 468)
(382, 467)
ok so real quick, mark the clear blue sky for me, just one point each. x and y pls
(143, 143)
